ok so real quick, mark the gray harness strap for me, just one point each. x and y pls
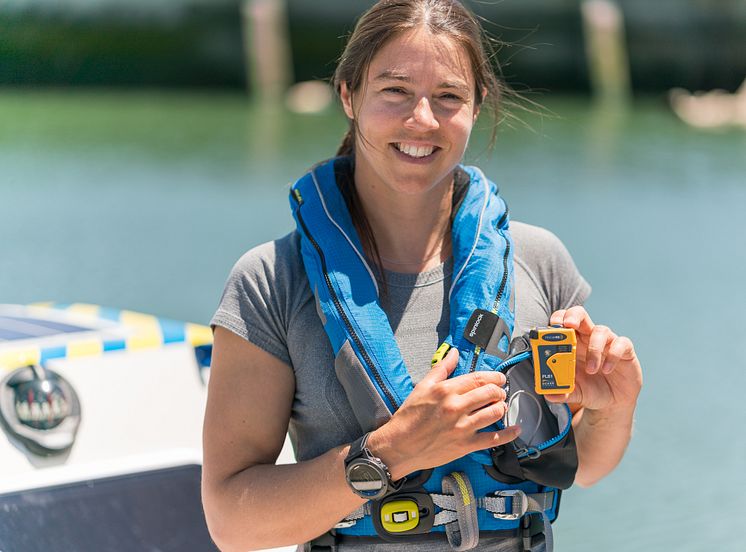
(460, 518)
(463, 533)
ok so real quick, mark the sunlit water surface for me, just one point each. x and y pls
(144, 201)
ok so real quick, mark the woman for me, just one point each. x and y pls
(412, 80)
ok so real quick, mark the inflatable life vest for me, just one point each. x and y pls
(490, 490)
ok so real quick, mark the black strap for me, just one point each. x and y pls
(326, 542)
(533, 533)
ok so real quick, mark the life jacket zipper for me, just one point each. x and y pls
(496, 303)
(536, 450)
(338, 305)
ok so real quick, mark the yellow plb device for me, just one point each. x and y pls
(553, 352)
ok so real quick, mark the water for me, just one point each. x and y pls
(144, 201)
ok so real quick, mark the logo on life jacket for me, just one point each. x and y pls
(480, 327)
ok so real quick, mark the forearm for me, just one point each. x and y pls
(267, 506)
(602, 437)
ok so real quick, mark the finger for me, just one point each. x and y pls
(576, 397)
(488, 415)
(482, 396)
(466, 382)
(620, 349)
(557, 318)
(489, 439)
(578, 318)
(444, 368)
(596, 351)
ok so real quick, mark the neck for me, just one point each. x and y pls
(412, 231)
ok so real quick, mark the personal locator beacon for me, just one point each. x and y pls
(553, 352)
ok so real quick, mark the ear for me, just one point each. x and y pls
(476, 114)
(477, 107)
(346, 96)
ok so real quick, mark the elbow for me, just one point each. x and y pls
(584, 482)
(221, 532)
(229, 536)
(227, 532)
(588, 475)
(236, 526)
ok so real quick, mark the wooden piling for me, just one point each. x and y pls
(606, 51)
(267, 49)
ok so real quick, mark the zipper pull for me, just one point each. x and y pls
(531, 452)
(296, 195)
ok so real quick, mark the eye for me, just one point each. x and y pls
(396, 90)
(451, 97)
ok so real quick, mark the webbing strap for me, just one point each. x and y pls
(504, 503)
(351, 518)
(463, 532)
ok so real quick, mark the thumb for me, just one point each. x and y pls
(559, 399)
(444, 368)
(568, 398)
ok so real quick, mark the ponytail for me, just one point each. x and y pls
(347, 147)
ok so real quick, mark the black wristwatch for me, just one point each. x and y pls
(366, 474)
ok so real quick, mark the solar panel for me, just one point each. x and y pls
(21, 327)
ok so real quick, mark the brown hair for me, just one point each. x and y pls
(388, 19)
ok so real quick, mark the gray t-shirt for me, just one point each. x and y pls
(268, 301)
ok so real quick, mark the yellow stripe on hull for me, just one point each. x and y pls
(20, 357)
(197, 334)
(86, 347)
(85, 309)
(146, 330)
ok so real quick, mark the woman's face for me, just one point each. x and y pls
(414, 113)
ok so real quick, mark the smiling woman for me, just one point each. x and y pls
(404, 259)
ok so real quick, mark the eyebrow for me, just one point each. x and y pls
(393, 75)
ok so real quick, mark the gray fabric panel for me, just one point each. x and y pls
(369, 409)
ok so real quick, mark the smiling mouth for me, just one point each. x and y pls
(416, 152)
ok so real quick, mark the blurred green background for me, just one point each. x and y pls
(695, 44)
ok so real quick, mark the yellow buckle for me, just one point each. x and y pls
(440, 353)
(399, 516)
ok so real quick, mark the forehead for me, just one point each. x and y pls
(419, 55)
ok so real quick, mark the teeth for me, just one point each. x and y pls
(415, 151)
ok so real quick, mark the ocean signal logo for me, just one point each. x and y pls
(473, 331)
(554, 337)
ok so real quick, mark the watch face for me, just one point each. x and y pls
(365, 478)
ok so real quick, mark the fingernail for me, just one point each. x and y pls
(606, 368)
(591, 367)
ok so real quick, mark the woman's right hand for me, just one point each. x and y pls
(440, 420)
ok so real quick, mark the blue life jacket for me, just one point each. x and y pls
(368, 361)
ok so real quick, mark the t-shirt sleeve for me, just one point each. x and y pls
(254, 304)
(555, 269)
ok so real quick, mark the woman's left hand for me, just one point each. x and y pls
(608, 375)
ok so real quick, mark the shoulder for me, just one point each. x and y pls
(279, 259)
(265, 289)
(539, 249)
(546, 261)
(532, 238)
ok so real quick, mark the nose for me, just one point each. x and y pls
(422, 117)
